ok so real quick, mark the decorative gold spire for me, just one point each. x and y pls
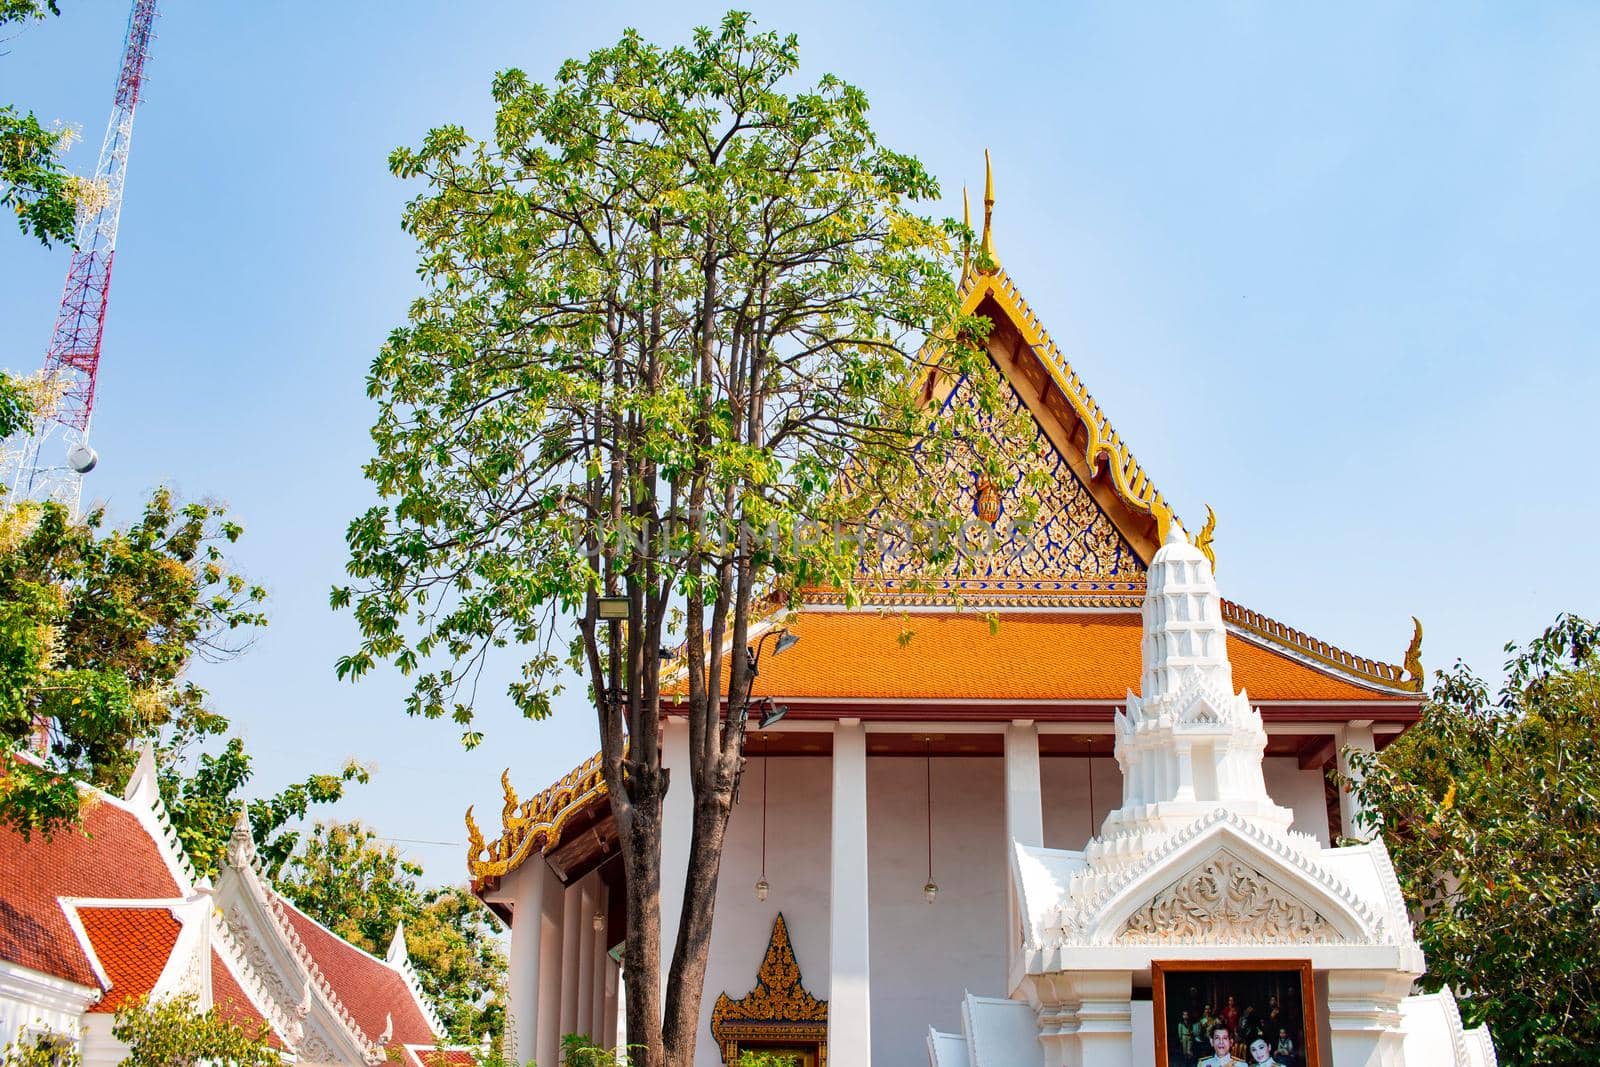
(510, 808)
(987, 246)
(1413, 661)
(1207, 532)
(475, 843)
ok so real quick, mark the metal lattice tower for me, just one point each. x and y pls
(49, 463)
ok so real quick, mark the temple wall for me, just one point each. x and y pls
(799, 810)
(923, 957)
(1301, 792)
(1064, 791)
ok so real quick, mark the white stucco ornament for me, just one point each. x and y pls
(1198, 862)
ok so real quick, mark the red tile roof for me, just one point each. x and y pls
(370, 989)
(132, 945)
(233, 1005)
(427, 1056)
(111, 856)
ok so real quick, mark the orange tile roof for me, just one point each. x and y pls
(372, 990)
(1029, 656)
(133, 945)
(233, 1005)
(424, 1056)
(111, 855)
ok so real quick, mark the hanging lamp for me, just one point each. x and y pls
(931, 889)
(762, 888)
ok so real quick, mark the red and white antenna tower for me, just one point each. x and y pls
(49, 463)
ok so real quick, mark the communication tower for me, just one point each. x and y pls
(49, 462)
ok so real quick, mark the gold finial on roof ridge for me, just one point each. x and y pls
(987, 244)
(1207, 533)
(1413, 661)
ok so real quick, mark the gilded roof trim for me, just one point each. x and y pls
(534, 825)
(1132, 483)
(1374, 672)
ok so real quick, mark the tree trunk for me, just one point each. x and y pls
(686, 983)
(641, 857)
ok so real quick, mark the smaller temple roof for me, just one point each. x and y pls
(113, 856)
(232, 1004)
(113, 906)
(133, 945)
(373, 991)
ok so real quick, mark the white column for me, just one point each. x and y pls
(613, 995)
(585, 984)
(1024, 817)
(522, 970)
(1024, 810)
(548, 1043)
(849, 986)
(1355, 737)
(1364, 1026)
(572, 920)
(677, 824)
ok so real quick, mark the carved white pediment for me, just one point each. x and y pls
(1225, 900)
(1200, 713)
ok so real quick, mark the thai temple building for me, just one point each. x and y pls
(1033, 816)
(93, 919)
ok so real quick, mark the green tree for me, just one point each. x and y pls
(346, 878)
(40, 1050)
(666, 306)
(1490, 807)
(16, 408)
(97, 630)
(33, 183)
(173, 1032)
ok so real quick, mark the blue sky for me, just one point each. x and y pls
(1330, 270)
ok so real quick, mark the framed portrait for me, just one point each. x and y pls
(1223, 1013)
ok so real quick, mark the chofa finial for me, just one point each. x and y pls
(1417, 677)
(1207, 533)
(987, 245)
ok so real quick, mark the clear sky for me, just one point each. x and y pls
(1329, 269)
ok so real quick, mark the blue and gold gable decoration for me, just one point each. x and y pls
(1033, 533)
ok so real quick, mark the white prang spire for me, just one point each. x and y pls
(1189, 743)
(1184, 638)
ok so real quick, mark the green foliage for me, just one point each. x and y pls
(755, 1058)
(97, 630)
(579, 1051)
(681, 338)
(40, 1050)
(361, 889)
(16, 407)
(23, 10)
(175, 1033)
(670, 301)
(33, 184)
(1491, 810)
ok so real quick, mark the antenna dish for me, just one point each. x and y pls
(82, 458)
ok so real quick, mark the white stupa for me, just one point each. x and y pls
(1198, 863)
